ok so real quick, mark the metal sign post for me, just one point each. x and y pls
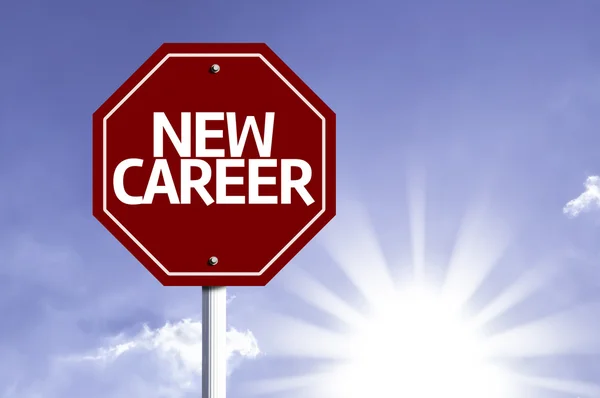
(214, 355)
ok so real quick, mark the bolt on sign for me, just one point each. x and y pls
(214, 164)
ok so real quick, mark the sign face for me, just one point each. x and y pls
(214, 164)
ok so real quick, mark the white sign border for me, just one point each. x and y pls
(133, 238)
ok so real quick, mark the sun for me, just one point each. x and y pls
(419, 339)
(415, 346)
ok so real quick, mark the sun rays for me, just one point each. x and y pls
(417, 341)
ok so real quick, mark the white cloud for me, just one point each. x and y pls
(587, 200)
(155, 363)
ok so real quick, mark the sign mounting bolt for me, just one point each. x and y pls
(215, 68)
(213, 260)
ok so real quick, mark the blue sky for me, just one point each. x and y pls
(458, 105)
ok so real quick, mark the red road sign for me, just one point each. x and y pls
(214, 152)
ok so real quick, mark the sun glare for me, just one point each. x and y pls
(416, 347)
(417, 341)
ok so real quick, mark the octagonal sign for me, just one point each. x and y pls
(214, 164)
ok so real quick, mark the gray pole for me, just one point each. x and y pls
(214, 369)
